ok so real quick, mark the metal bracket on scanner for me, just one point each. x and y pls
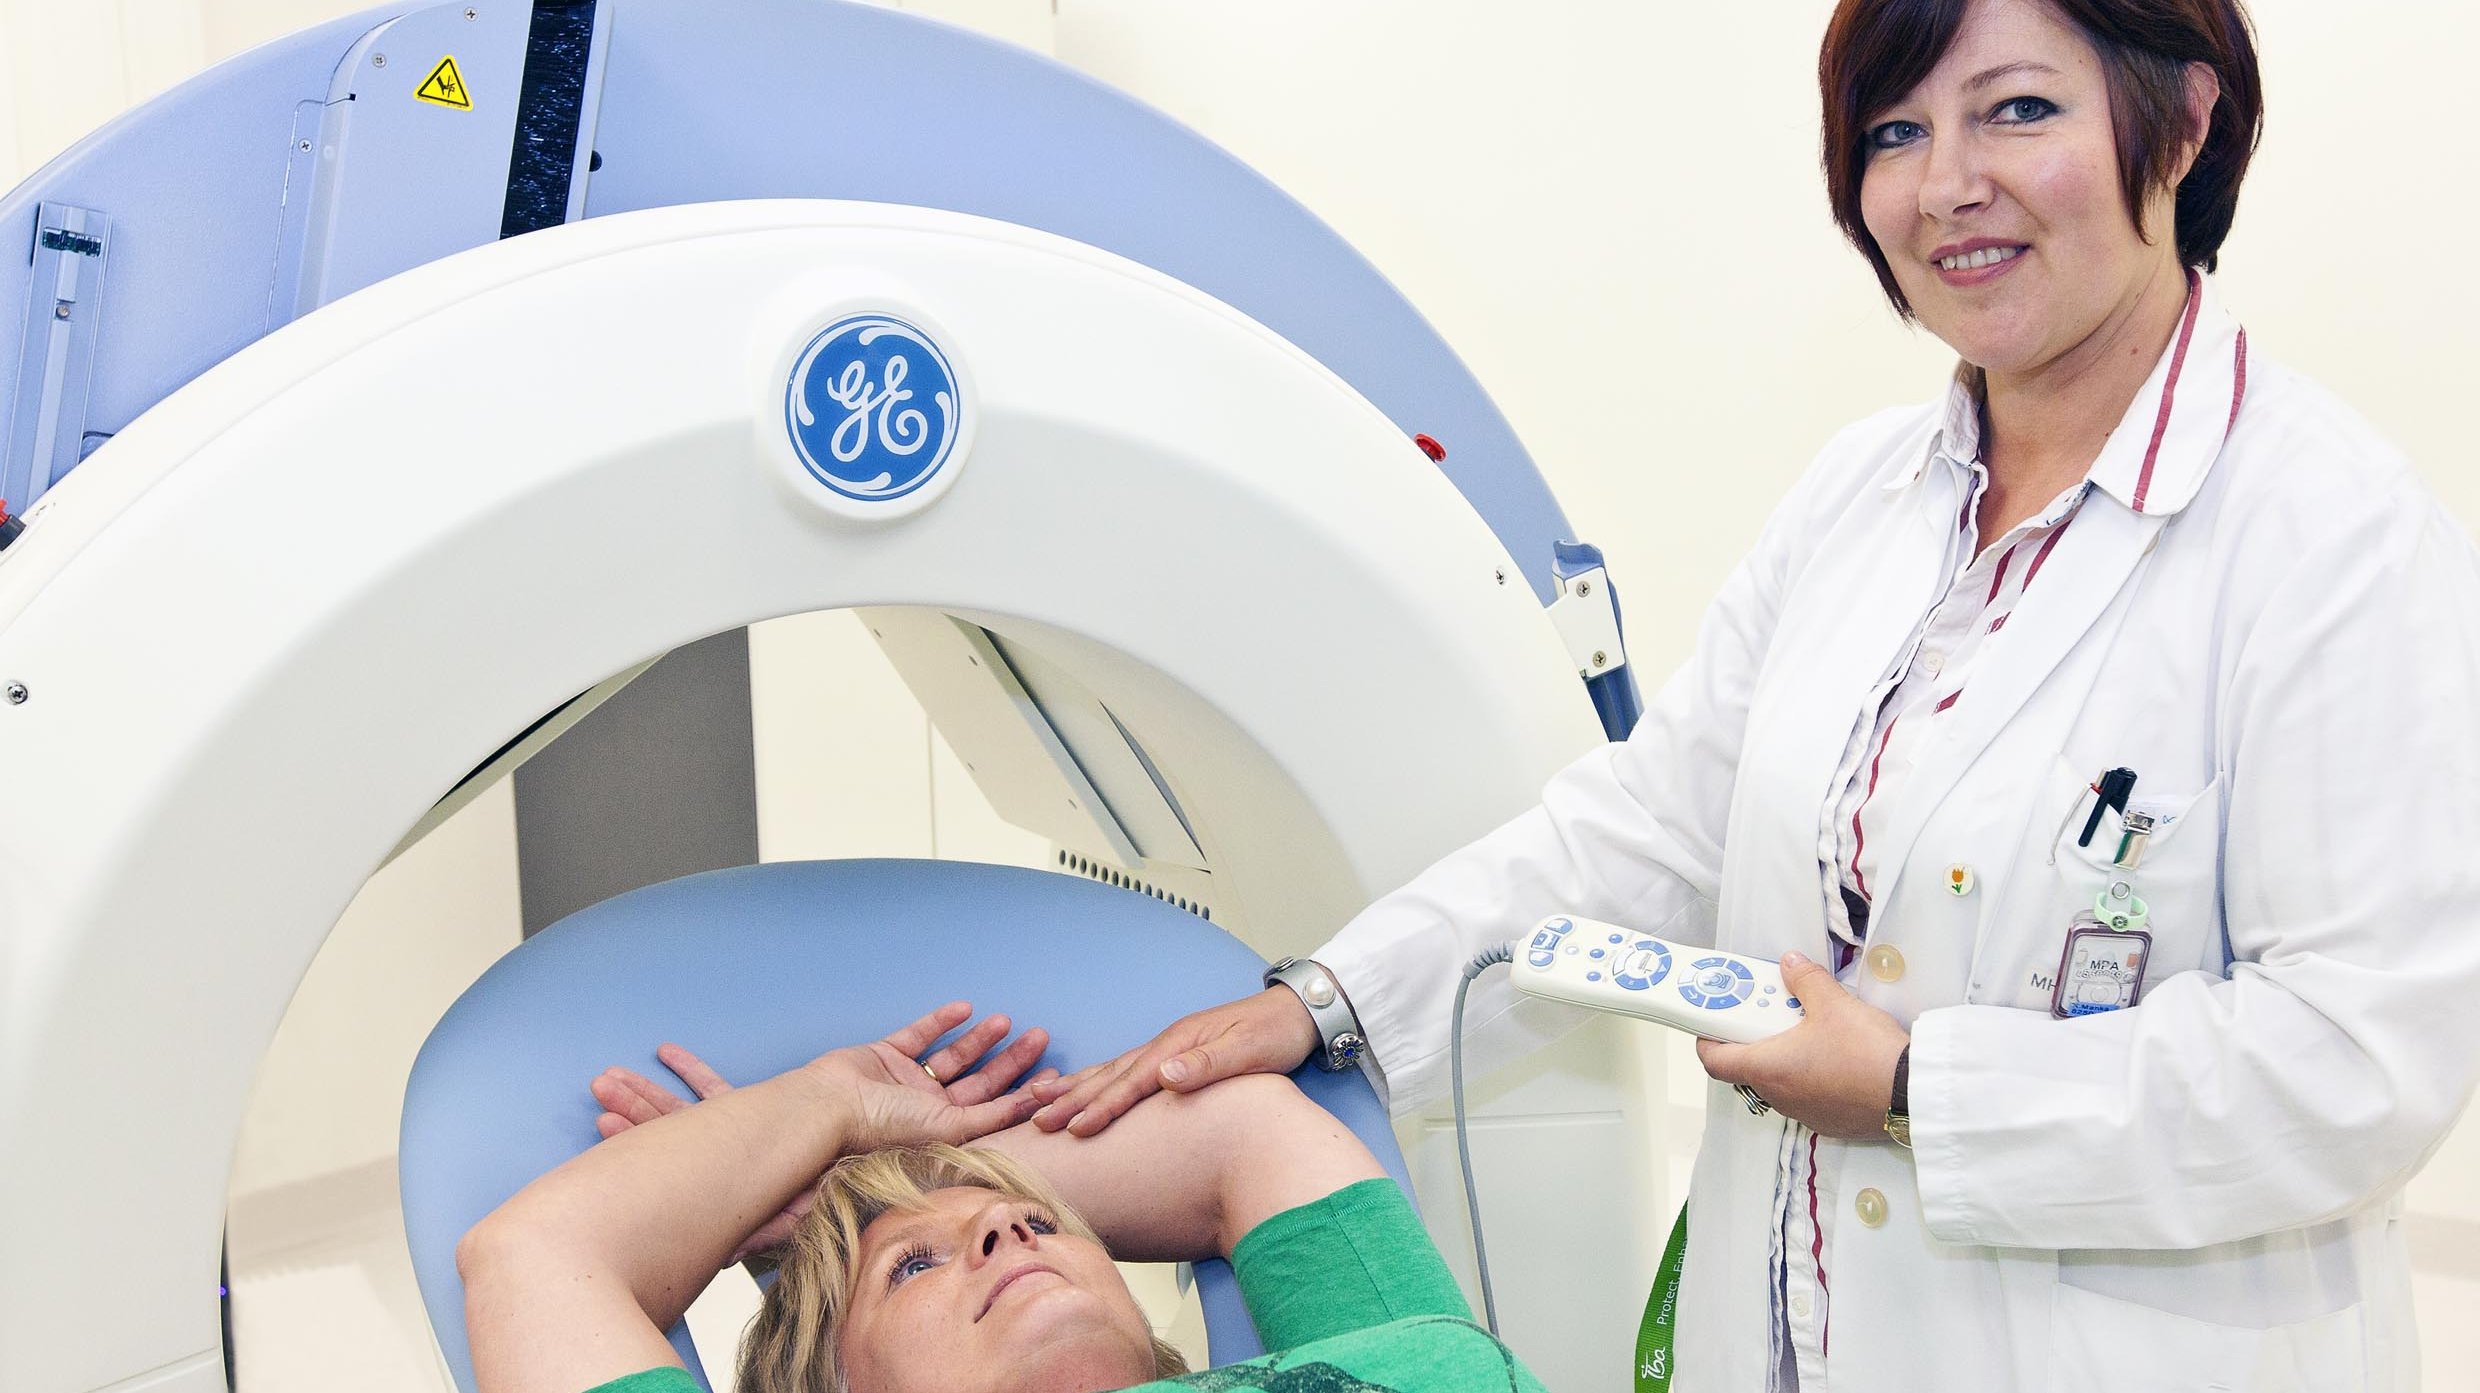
(1586, 614)
(1588, 622)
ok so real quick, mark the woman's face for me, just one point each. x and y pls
(1993, 190)
(982, 1291)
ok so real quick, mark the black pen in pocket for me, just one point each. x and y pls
(2111, 790)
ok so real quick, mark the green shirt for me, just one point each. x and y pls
(1351, 1295)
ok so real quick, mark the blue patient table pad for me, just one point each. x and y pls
(760, 968)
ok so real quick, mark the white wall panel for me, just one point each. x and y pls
(64, 72)
(843, 749)
(2347, 258)
(162, 42)
(332, 1086)
(229, 26)
(966, 828)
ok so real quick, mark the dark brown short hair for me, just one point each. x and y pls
(1877, 50)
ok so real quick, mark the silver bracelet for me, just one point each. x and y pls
(1330, 1011)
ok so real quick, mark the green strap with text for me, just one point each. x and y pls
(1655, 1356)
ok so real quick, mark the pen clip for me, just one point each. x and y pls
(2111, 791)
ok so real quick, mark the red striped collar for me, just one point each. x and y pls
(2157, 458)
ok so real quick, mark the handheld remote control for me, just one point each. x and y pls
(1704, 991)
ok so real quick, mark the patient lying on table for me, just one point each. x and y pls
(911, 1261)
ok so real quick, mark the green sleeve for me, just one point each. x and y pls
(1355, 1259)
(671, 1378)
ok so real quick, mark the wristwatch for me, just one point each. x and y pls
(1899, 1107)
(1338, 1028)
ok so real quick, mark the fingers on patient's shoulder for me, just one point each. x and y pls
(1065, 1098)
(1136, 1081)
(1072, 1106)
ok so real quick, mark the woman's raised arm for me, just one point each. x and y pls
(572, 1282)
(1183, 1176)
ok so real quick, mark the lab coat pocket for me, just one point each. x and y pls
(2101, 1342)
(2177, 873)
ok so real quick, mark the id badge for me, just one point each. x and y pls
(2102, 970)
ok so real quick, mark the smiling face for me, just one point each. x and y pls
(983, 1290)
(1993, 190)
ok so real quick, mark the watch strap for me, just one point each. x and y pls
(1899, 1104)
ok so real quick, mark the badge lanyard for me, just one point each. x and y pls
(1656, 1355)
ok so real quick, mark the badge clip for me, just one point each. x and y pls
(2135, 831)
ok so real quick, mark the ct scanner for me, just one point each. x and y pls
(333, 486)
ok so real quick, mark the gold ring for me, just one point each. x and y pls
(933, 1073)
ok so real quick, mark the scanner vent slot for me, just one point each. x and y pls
(1111, 875)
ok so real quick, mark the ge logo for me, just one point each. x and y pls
(873, 408)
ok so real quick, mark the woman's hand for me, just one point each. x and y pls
(630, 1099)
(1269, 1033)
(889, 1099)
(1834, 1071)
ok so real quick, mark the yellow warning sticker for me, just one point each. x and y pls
(446, 87)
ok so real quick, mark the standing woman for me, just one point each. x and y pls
(2075, 1104)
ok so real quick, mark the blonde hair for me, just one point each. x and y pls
(791, 1344)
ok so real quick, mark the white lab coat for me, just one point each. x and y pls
(2263, 613)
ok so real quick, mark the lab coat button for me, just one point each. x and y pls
(1933, 662)
(1799, 1306)
(1871, 1206)
(1960, 881)
(1886, 963)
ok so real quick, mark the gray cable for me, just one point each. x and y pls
(1463, 1144)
